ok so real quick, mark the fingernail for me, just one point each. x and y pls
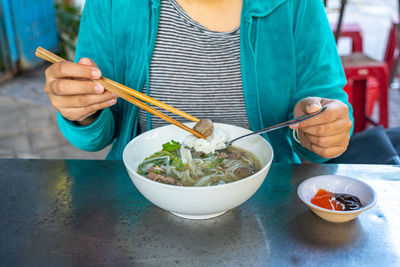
(314, 107)
(114, 95)
(99, 88)
(96, 74)
(294, 126)
(84, 61)
(112, 101)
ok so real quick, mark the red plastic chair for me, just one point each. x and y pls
(354, 32)
(371, 97)
(360, 68)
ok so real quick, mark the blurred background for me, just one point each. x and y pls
(28, 127)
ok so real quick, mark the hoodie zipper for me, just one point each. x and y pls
(254, 51)
(249, 77)
(152, 33)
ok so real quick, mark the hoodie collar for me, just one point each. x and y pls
(251, 8)
(260, 8)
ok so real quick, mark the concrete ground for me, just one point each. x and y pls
(28, 127)
(28, 124)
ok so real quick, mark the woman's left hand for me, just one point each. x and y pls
(327, 134)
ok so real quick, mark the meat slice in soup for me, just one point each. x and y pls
(245, 171)
(163, 179)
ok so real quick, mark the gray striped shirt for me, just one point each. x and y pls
(195, 70)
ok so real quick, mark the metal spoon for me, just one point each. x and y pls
(279, 126)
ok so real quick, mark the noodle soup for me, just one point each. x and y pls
(195, 202)
(181, 166)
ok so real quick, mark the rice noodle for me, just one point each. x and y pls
(216, 141)
(186, 155)
(250, 161)
(157, 158)
(205, 179)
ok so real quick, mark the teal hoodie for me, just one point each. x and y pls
(287, 53)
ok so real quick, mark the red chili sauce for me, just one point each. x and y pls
(336, 201)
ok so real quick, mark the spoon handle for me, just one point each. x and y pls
(280, 125)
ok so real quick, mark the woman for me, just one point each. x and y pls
(254, 63)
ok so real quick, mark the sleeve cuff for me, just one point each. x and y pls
(84, 128)
(304, 153)
(91, 137)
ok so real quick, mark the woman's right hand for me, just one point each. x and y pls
(73, 94)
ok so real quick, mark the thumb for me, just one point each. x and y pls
(88, 62)
(310, 105)
(306, 106)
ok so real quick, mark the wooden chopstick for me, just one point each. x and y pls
(54, 58)
(47, 55)
(128, 94)
(151, 100)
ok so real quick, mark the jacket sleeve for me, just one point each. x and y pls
(319, 70)
(95, 42)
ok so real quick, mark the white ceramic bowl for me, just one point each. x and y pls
(195, 202)
(337, 184)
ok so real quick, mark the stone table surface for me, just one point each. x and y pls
(88, 212)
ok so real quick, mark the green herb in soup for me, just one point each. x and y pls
(177, 165)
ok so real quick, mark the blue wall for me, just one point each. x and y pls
(29, 24)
